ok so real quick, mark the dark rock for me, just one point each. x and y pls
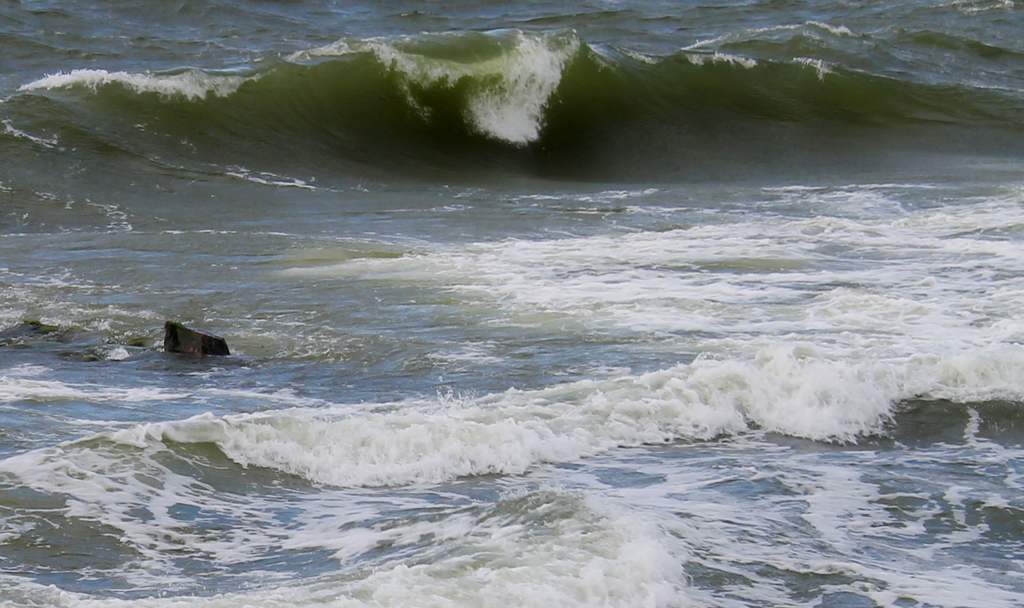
(181, 339)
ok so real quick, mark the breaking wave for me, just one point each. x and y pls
(793, 390)
(543, 98)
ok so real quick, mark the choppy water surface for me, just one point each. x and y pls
(613, 304)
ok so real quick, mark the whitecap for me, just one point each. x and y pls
(191, 84)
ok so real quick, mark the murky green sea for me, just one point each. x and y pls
(540, 304)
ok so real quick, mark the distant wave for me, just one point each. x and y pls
(548, 97)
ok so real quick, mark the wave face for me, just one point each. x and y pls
(543, 101)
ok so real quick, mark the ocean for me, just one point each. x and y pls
(531, 304)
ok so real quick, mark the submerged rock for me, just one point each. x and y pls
(137, 341)
(27, 331)
(181, 339)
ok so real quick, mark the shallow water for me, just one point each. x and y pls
(622, 304)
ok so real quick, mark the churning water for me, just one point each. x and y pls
(629, 304)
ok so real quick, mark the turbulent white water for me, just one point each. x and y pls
(790, 390)
(775, 332)
(581, 557)
(528, 548)
(752, 284)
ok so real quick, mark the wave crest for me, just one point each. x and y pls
(190, 84)
(792, 390)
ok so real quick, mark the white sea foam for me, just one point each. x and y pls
(268, 179)
(922, 327)
(116, 353)
(466, 354)
(26, 370)
(604, 196)
(794, 390)
(191, 84)
(514, 111)
(719, 57)
(46, 142)
(118, 217)
(641, 57)
(837, 30)
(820, 67)
(508, 93)
(16, 387)
(551, 547)
(754, 281)
(338, 48)
(796, 339)
(855, 519)
(842, 524)
(971, 7)
(753, 33)
(26, 383)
